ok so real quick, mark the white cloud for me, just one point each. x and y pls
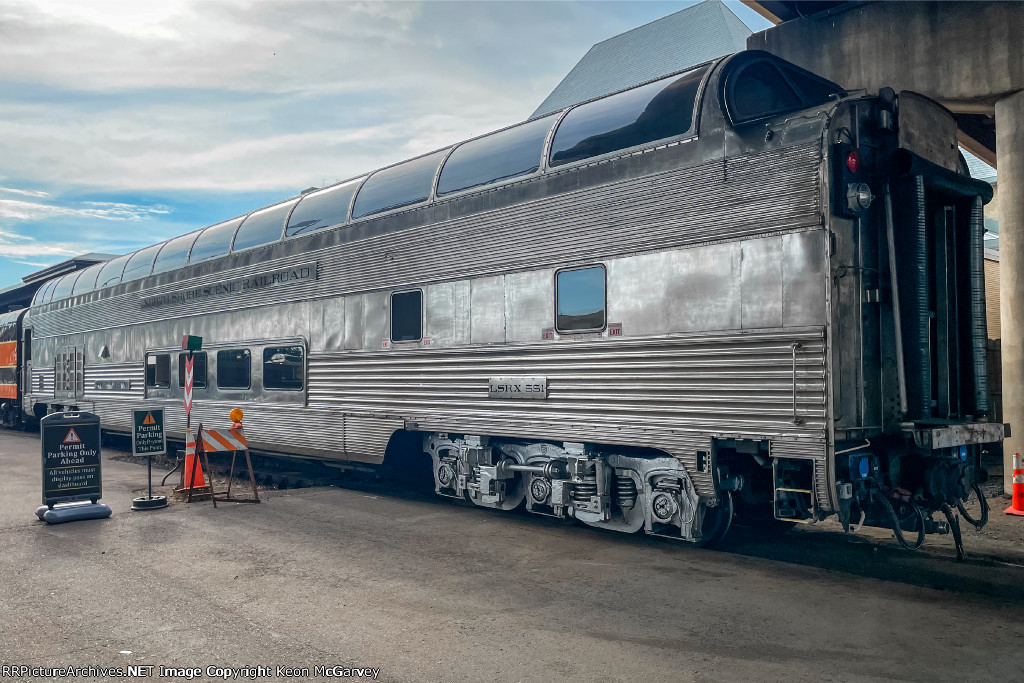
(16, 246)
(252, 96)
(25, 193)
(15, 209)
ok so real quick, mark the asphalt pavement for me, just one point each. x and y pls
(429, 590)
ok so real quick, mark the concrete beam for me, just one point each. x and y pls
(1010, 146)
(946, 50)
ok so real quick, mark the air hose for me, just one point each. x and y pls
(954, 526)
(896, 523)
(984, 509)
(176, 466)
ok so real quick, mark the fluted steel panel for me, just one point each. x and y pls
(134, 374)
(672, 393)
(743, 196)
(313, 433)
(42, 383)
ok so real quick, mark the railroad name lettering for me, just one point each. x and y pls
(300, 273)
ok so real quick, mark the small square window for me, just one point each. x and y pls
(233, 368)
(407, 316)
(283, 368)
(198, 369)
(158, 370)
(580, 299)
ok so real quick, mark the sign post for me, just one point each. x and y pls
(71, 468)
(191, 344)
(149, 439)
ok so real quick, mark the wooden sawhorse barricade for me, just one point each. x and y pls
(222, 440)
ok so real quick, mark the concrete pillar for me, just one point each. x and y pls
(1010, 164)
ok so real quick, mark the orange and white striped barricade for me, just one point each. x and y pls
(224, 440)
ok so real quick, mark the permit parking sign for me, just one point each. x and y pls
(148, 435)
(71, 457)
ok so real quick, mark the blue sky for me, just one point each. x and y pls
(124, 123)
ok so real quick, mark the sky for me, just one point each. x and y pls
(124, 123)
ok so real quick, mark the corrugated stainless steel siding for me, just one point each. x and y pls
(746, 195)
(320, 434)
(672, 393)
(42, 383)
(133, 373)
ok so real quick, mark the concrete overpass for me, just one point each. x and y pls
(970, 57)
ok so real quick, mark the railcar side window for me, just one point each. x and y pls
(8, 333)
(175, 253)
(655, 111)
(87, 280)
(233, 369)
(140, 264)
(500, 156)
(580, 299)
(111, 273)
(283, 367)
(407, 316)
(158, 370)
(322, 209)
(263, 227)
(401, 185)
(214, 241)
(198, 369)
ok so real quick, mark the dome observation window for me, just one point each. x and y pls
(500, 156)
(111, 272)
(757, 86)
(141, 263)
(398, 186)
(175, 253)
(87, 281)
(62, 290)
(263, 226)
(322, 209)
(214, 241)
(656, 111)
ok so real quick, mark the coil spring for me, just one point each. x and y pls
(585, 490)
(625, 491)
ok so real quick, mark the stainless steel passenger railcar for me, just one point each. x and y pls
(735, 286)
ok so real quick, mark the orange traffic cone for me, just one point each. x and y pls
(191, 461)
(1017, 508)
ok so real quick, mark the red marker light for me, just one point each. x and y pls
(853, 160)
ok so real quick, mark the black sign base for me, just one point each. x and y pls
(72, 512)
(149, 503)
(42, 509)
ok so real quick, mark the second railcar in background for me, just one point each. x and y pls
(735, 287)
(12, 366)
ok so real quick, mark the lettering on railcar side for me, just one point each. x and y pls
(284, 276)
(517, 387)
